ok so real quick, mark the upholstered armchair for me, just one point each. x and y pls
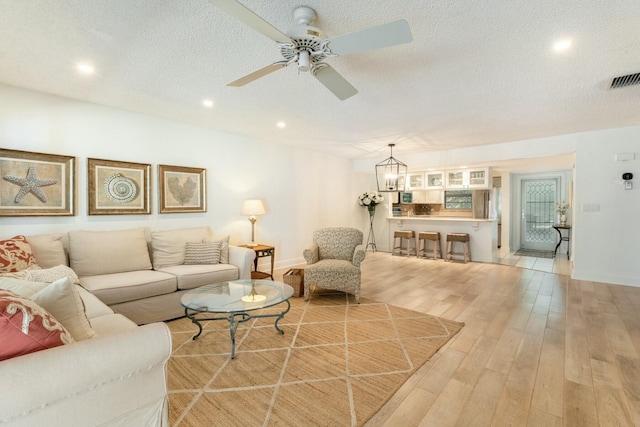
(333, 260)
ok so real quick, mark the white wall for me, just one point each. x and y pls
(607, 245)
(303, 190)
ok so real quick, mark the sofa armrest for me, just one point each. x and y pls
(69, 385)
(311, 254)
(358, 255)
(243, 259)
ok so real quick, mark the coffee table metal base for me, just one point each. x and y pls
(234, 319)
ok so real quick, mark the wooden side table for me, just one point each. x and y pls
(261, 252)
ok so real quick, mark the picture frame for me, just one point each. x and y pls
(118, 187)
(182, 189)
(37, 184)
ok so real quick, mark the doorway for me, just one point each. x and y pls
(538, 201)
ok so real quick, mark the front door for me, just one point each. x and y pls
(538, 213)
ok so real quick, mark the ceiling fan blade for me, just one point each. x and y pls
(335, 82)
(257, 74)
(247, 16)
(385, 35)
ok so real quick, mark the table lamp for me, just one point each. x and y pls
(253, 207)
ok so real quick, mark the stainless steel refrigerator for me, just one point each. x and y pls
(481, 203)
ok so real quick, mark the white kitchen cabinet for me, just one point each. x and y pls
(434, 180)
(434, 196)
(480, 178)
(468, 178)
(419, 196)
(456, 179)
(415, 181)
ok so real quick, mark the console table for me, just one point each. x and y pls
(261, 252)
(563, 238)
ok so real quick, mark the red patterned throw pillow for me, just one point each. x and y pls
(25, 327)
(15, 255)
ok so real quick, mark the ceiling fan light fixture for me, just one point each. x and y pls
(391, 174)
(303, 61)
(306, 46)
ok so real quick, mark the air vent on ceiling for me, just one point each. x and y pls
(628, 80)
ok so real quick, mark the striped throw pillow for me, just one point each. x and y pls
(202, 253)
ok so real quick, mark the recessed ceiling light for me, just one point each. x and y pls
(282, 125)
(85, 68)
(562, 45)
(207, 103)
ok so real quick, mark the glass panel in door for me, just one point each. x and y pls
(538, 213)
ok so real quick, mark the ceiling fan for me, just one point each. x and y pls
(305, 46)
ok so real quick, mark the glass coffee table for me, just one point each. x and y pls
(236, 299)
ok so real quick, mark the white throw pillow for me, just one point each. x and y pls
(54, 273)
(63, 301)
(21, 287)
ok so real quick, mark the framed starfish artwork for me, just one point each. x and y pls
(182, 189)
(37, 184)
(118, 188)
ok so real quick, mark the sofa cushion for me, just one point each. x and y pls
(168, 247)
(112, 324)
(193, 276)
(15, 255)
(48, 250)
(94, 253)
(93, 307)
(129, 286)
(63, 301)
(21, 287)
(26, 327)
(202, 253)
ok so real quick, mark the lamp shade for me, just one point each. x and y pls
(253, 207)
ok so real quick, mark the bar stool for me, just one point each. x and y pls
(407, 235)
(424, 237)
(462, 238)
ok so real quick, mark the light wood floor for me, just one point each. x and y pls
(560, 264)
(538, 348)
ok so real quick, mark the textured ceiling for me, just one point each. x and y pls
(477, 72)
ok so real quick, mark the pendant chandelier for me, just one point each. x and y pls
(391, 174)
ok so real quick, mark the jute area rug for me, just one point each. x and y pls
(336, 364)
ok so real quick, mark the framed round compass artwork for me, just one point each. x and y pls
(118, 188)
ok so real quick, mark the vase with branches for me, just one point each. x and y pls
(562, 209)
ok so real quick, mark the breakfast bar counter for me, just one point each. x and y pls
(483, 233)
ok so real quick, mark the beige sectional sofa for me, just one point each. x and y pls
(115, 378)
(115, 373)
(140, 273)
